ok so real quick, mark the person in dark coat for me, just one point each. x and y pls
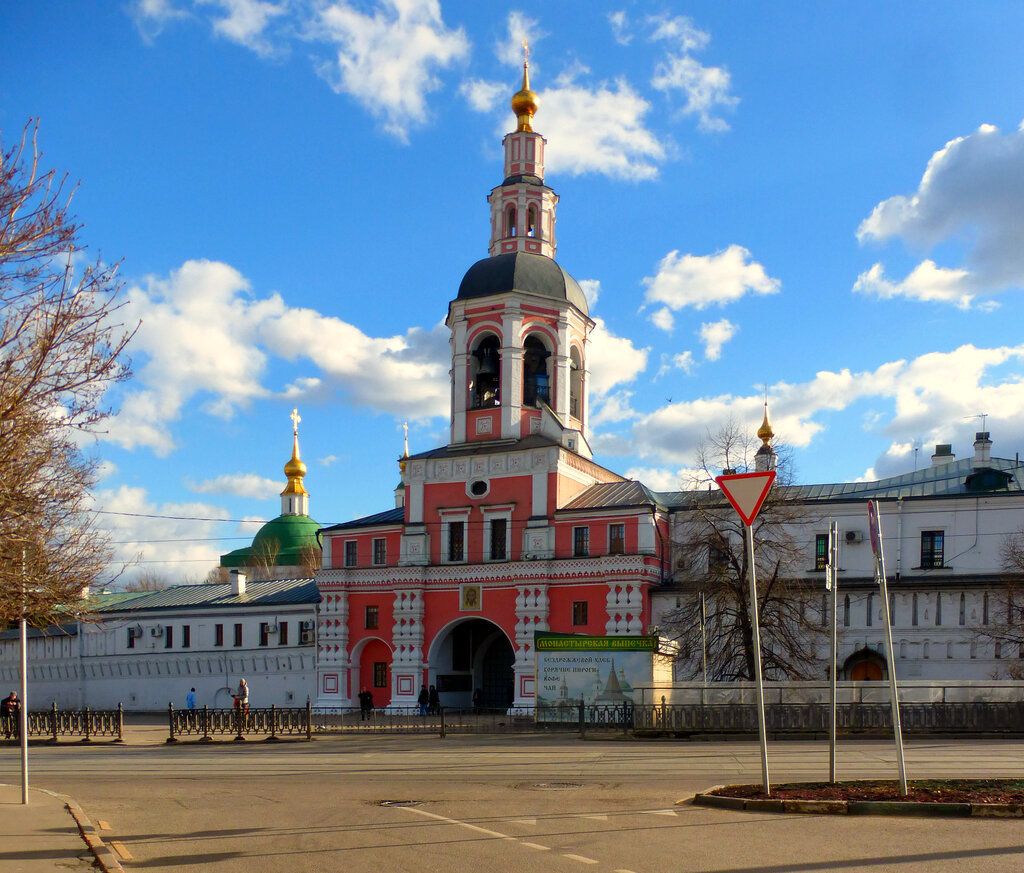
(423, 700)
(365, 704)
(435, 701)
(10, 716)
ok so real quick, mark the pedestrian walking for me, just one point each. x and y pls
(365, 704)
(434, 700)
(190, 699)
(10, 716)
(423, 700)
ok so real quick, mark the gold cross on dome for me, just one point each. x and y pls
(526, 52)
(296, 418)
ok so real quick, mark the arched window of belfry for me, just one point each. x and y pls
(575, 384)
(531, 221)
(536, 381)
(485, 369)
(510, 221)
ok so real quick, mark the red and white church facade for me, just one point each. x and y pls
(511, 528)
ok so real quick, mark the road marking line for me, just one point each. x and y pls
(595, 817)
(660, 812)
(623, 871)
(536, 846)
(532, 822)
(122, 852)
(104, 826)
(463, 824)
(579, 858)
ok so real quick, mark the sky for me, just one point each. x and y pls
(822, 203)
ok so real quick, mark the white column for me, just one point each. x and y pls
(532, 608)
(332, 658)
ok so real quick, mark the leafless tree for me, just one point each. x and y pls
(1005, 614)
(711, 573)
(310, 558)
(265, 554)
(61, 348)
(148, 581)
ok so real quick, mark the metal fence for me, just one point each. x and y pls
(85, 724)
(921, 718)
(271, 722)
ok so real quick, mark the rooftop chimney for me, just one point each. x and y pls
(982, 450)
(943, 454)
(238, 580)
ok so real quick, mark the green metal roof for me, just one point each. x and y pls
(283, 540)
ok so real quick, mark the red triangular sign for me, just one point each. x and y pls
(746, 492)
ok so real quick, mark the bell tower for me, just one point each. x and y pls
(520, 324)
(523, 207)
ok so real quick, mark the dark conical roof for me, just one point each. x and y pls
(521, 271)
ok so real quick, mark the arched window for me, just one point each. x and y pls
(510, 221)
(927, 649)
(531, 221)
(575, 384)
(486, 365)
(536, 383)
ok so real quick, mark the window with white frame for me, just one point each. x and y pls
(580, 541)
(454, 526)
(380, 551)
(351, 553)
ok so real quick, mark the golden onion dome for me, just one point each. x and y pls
(295, 468)
(525, 101)
(765, 432)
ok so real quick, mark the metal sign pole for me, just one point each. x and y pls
(832, 583)
(757, 660)
(897, 728)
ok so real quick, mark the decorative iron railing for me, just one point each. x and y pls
(976, 717)
(271, 722)
(85, 724)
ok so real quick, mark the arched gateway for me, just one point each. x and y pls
(469, 654)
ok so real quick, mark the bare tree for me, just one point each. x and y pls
(61, 348)
(149, 580)
(1003, 624)
(310, 558)
(264, 557)
(711, 573)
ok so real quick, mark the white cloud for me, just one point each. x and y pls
(521, 28)
(180, 547)
(684, 362)
(204, 335)
(387, 60)
(245, 21)
(664, 319)
(483, 96)
(932, 398)
(327, 460)
(151, 16)
(239, 485)
(591, 289)
(662, 478)
(613, 408)
(620, 26)
(971, 194)
(714, 335)
(593, 129)
(705, 280)
(706, 88)
(612, 360)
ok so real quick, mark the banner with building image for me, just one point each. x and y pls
(590, 669)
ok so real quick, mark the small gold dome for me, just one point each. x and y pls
(765, 432)
(525, 101)
(295, 468)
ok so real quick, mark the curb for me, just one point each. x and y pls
(859, 807)
(106, 860)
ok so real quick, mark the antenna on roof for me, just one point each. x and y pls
(982, 415)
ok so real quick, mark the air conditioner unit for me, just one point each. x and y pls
(271, 628)
(308, 624)
(305, 637)
(854, 536)
(157, 630)
(135, 632)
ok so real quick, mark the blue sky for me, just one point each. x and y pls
(824, 199)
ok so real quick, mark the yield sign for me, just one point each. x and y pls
(746, 492)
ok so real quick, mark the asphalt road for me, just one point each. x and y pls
(422, 804)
